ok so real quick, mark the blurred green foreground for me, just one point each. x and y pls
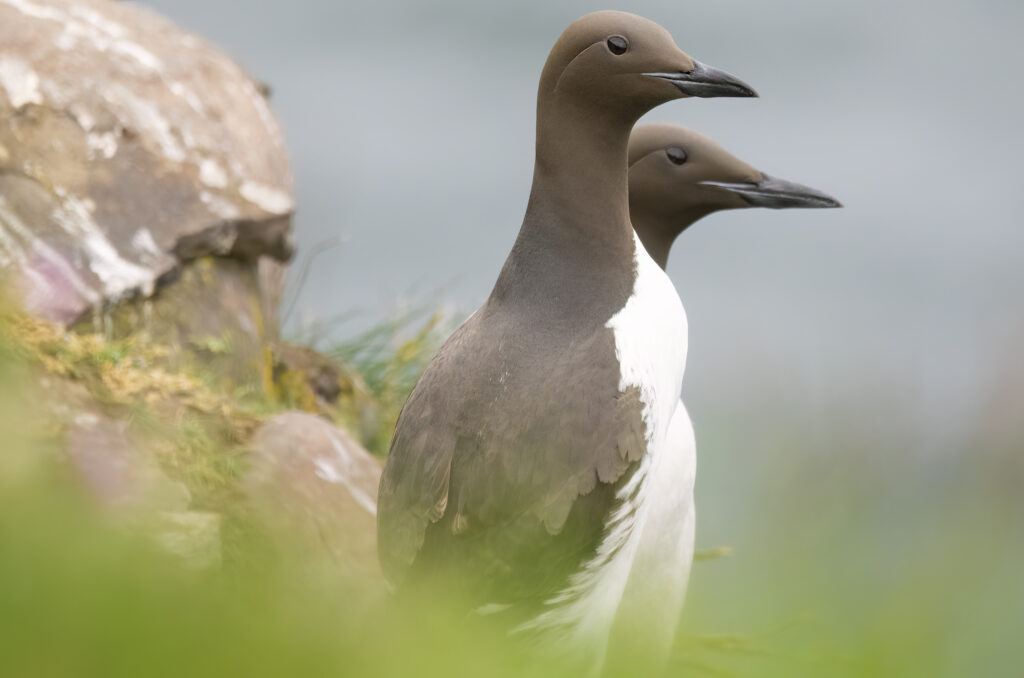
(819, 587)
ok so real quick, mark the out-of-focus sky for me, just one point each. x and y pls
(411, 133)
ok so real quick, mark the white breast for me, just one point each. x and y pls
(650, 344)
(646, 621)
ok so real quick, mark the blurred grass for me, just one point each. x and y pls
(851, 561)
(80, 595)
(856, 554)
(389, 357)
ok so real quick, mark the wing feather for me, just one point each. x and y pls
(493, 476)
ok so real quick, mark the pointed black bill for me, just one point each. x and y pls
(705, 82)
(777, 193)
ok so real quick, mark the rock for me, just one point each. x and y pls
(192, 536)
(310, 482)
(211, 321)
(318, 373)
(310, 381)
(127, 480)
(120, 474)
(128, 146)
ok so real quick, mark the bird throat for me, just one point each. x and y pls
(576, 247)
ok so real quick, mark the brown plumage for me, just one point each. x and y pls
(508, 453)
(678, 176)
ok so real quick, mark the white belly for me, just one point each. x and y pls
(647, 617)
(650, 342)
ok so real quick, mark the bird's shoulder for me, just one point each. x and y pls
(507, 429)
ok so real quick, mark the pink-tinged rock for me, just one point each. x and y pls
(194, 537)
(316, 487)
(127, 146)
(118, 473)
(127, 481)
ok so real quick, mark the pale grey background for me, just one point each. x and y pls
(411, 131)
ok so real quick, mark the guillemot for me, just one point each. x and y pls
(676, 177)
(520, 465)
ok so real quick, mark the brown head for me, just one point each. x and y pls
(622, 65)
(677, 176)
(605, 71)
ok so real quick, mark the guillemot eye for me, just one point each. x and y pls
(676, 155)
(618, 45)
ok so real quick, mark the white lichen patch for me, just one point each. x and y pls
(22, 247)
(116, 274)
(191, 98)
(144, 117)
(98, 21)
(143, 95)
(220, 207)
(82, 116)
(33, 10)
(212, 173)
(82, 24)
(9, 250)
(102, 145)
(266, 198)
(19, 82)
(66, 42)
(144, 243)
(342, 469)
(137, 53)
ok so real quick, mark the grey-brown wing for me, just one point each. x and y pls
(505, 462)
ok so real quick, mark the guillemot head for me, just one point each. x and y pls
(618, 61)
(677, 176)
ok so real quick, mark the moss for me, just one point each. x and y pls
(195, 429)
(213, 345)
(196, 421)
(208, 321)
(294, 390)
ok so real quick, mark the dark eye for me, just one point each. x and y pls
(618, 45)
(676, 155)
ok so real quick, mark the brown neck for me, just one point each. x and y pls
(581, 169)
(657, 241)
(658, 231)
(576, 236)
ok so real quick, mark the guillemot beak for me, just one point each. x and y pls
(777, 193)
(706, 81)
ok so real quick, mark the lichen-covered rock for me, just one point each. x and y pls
(125, 478)
(315, 487)
(126, 147)
(120, 474)
(212, 320)
(192, 536)
(307, 380)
